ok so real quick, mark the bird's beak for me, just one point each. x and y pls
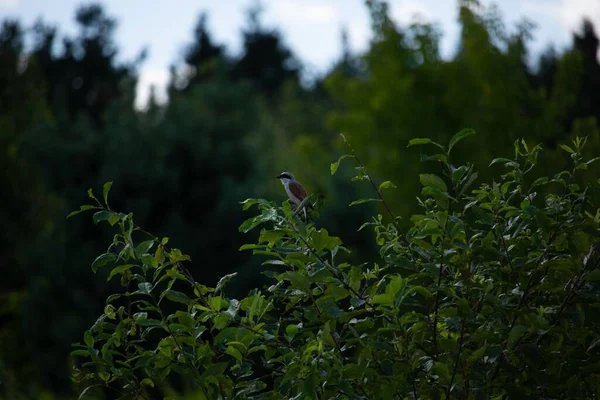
(278, 177)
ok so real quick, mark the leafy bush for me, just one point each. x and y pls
(492, 292)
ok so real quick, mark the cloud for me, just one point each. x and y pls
(304, 11)
(9, 3)
(406, 11)
(568, 13)
(151, 76)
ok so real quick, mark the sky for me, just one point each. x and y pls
(311, 28)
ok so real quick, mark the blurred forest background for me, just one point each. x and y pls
(232, 123)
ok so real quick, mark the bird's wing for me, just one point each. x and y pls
(298, 190)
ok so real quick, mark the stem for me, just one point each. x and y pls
(375, 187)
(460, 345)
(437, 305)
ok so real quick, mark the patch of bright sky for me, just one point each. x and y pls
(312, 28)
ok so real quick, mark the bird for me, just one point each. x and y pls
(294, 190)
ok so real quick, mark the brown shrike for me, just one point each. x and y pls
(294, 190)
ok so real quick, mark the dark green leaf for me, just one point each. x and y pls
(88, 339)
(102, 260)
(118, 270)
(105, 190)
(361, 201)
(334, 166)
(567, 148)
(434, 157)
(143, 247)
(460, 136)
(87, 389)
(322, 241)
(81, 209)
(235, 353)
(113, 219)
(431, 180)
(506, 161)
(177, 297)
(291, 330)
(91, 195)
(418, 141)
(224, 281)
(515, 334)
(215, 370)
(386, 185)
(147, 382)
(102, 216)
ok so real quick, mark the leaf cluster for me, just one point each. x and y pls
(492, 292)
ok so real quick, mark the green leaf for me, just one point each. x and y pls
(246, 204)
(460, 136)
(515, 334)
(540, 181)
(147, 382)
(434, 157)
(477, 354)
(91, 195)
(329, 306)
(383, 298)
(362, 201)
(431, 180)
(102, 216)
(102, 260)
(442, 371)
(81, 209)
(567, 148)
(145, 287)
(593, 160)
(271, 237)
(232, 351)
(105, 190)
(506, 161)
(119, 270)
(251, 247)
(250, 224)
(334, 166)
(322, 241)
(87, 389)
(224, 281)
(143, 247)
(215, 370)
(418, 141)
(594, 276)
(387, 185)
(291, 330)
(215, 302)
(594, 344)
(88, 339)
(177, 297)
(141, 318)
(113, 219)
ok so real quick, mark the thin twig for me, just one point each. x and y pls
(460, 345)
(437, 306)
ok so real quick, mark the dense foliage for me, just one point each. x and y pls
(232, 122)
(493, 291)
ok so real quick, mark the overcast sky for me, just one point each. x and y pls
(310, 27)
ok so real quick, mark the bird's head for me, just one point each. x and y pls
(285, 177)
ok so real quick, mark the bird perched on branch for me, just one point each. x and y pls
(294, 190)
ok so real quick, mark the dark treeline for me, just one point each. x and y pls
(231, 124)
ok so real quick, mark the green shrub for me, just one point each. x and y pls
(492, 292)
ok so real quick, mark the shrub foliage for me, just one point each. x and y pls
(493, 291)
